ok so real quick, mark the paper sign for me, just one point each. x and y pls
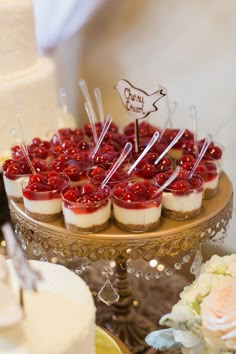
(27, 277)
(137, 102)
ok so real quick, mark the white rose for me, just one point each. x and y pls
(220, 265)
(194, 293)
(218, 312)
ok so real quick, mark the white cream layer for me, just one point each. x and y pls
(13, 187)
(47, 207)
(183, 203)
(211, 184)
(137, 216)
(98, 217)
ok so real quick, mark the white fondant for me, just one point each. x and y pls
(59, 318)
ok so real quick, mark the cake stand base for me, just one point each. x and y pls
(126, 323)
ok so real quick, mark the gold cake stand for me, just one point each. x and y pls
(170, 238)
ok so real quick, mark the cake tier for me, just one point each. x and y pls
(34, 88)
(59, 317)
(17, 47)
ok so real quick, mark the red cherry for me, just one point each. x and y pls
(58, 165)
(40, 165)
(187, 166)
(36, 141)
(56, 182)
(215, 152)
(148, 171)
(97, 171)
(202, 171)
(7, 163)
(196, 182)
(128, 197)
(71, 195)
(73, 172)
(180, 187)
(37, 178)
(87, 188)
(38, 187)
(13, 169)
(187, 158)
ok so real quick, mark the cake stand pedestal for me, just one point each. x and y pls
(170, 239)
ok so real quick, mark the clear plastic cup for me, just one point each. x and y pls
(182, 199)
(136, 206)
(42, 195)
(86, 207)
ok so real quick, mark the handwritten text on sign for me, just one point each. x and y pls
(137, 102)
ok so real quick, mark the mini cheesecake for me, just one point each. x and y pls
(15, 171)
(136, 206)
(86, 208)
(207, 170)
(42, 195)
(182, 199)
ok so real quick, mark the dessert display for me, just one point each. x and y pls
(58, 318)
(182, 199)
(136, 206)
(42, 195)
(207, 169)
(86, 204)
(28, 81)
(86, 207)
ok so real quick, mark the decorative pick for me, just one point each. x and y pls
(27, 277)
(124, 153)
(169, 111)
(102, 135)
(193, 113)
(145, 151)
(178, 136)
(91, 120)
(201, 154)
(137, 103)
(169, 180)
(98, 96)
(23, 145)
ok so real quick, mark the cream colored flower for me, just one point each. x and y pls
(218, 312)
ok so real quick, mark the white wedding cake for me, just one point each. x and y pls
(28, 81)
(58, 319)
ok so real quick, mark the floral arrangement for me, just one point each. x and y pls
(204, 319)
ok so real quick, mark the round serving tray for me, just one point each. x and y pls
(168, 239)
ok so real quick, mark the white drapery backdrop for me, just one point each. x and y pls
(56, 21)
